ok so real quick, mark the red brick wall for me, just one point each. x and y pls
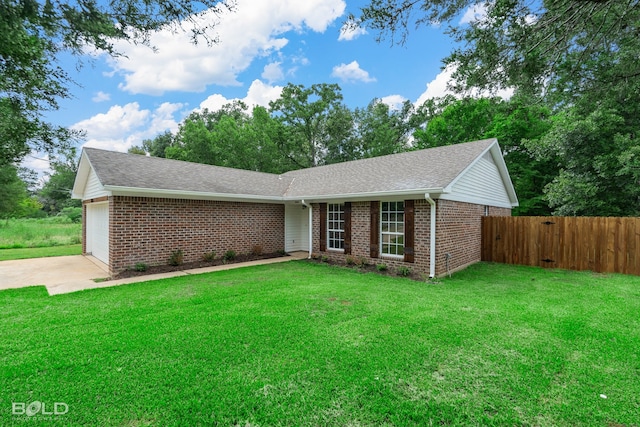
(148, 230)
(458, 233)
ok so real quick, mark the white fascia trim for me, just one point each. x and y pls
(375, 195)
(195, 195)
(82, 176)
(477, 201)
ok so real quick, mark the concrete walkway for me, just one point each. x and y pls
(61, 275)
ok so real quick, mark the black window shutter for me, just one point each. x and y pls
(408, 230)
(347, 228)
(323, 227)
(374, 247)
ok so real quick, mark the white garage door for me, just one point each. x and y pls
(98, 231)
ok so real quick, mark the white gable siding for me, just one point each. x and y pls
(94, 189)
(481, 184)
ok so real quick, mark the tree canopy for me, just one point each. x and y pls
(33, 35)
(557, 48)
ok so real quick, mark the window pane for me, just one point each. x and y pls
(335, 226)
(392, 228)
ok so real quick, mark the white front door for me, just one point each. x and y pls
(296, 228)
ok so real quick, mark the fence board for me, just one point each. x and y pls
(600, 244)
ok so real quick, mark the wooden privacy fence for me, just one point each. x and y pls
(604, 245)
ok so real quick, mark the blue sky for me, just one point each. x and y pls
(262, 46)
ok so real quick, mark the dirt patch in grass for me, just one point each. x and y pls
(157, 269)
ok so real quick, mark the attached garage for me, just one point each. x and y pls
(97, 231)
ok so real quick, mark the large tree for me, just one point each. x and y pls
(546, 47)
(33, 36)
(577, 57)
(55, 194)
(596, 154)
(305, 114)
(13, 192)
(383, 130)
(452, 121)
(231, 137)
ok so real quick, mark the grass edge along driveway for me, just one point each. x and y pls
(307, 344)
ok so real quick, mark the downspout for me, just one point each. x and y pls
(432, 237)
(310, 227)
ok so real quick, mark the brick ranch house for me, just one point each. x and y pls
(421, 209)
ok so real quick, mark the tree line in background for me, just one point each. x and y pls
(563, 161)
(569, 132)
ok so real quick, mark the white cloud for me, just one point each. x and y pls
(273, 72)
(254, 29)
(394, 101)
(101, 96)
(351, 31)
(38, 162)
(351, 72)
(259, 94)
(439, 87)
(474, 13)
(124, 126)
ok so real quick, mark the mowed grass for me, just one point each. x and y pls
(302, 344)
(25, 253)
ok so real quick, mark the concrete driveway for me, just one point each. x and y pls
(61, 275)
(52, 272)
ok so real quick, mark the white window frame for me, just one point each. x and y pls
(335, 227)
(391, 229)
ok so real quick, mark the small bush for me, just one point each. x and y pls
(177, 257)
(381, 267)
(403, 271)
(73, 213)
(229, 255)
(209, 256)
(324, 258)
(256, 250)
(350, 260)
(141, 266)
(362, 261)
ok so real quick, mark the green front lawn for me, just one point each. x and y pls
(309, 344)
(24, 253)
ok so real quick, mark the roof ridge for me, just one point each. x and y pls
(187, 162)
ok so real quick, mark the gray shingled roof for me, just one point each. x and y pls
(433, 168)
(136, 171)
